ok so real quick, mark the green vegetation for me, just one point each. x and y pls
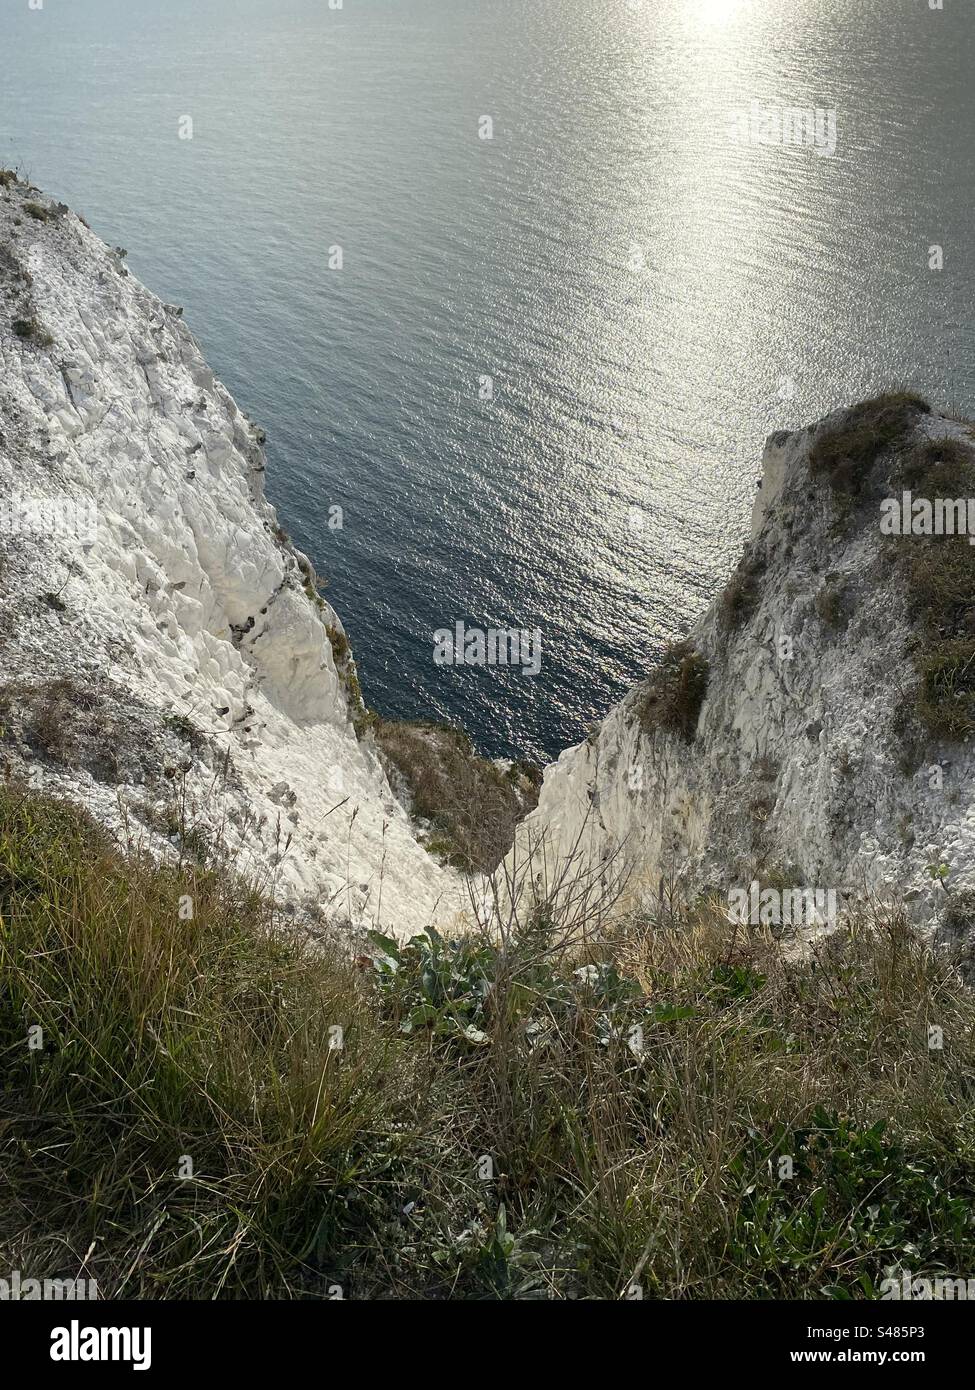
(472, 806)
(341, 651)
(344, 665)
(743, 592)
(38, 211)
(832, 602)
(32, 331)
(182, 726)
(196, 1104)
(672, 697)
(7, 178)
(939, 572)
(845, 454)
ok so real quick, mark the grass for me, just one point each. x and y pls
(672, 698)
(344, 665)
(832, 602)
(945, 700)
(844, 455)
(471, 805)
(742, 594)
(939, 575)
(38, 211)
(32, 331)
(508, 1116)
(51, 712)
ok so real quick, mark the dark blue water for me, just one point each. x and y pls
(772, 284)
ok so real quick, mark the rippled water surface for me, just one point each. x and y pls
(650, 296)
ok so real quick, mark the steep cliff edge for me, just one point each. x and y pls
(164, 655)
(166, 659)
(815, 729)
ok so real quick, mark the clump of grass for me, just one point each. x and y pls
(511, 1115)
(845, 454)
(38, 211)
(956, 933)
(938, 468)
(471, 805)
(32, 331)
(742, 594)
(166, 1037)
(7, 178)
(346, 668)
(946, 698)
(672, 698)
(64, 722)
(52, 711)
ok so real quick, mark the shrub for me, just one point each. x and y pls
(38, 212)
(845, 453)
(32, 331)
(471, 805)
(743, 592)
(672, 698)
(831, 602)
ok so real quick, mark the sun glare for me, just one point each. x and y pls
(720, 11)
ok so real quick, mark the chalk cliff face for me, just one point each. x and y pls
(164, 656)
(803, 763)
(166, 660)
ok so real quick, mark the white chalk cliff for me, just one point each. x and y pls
(185, 622)
(796, 764)
(196, 664)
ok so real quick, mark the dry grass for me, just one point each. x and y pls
(743, 592)
(536, 1111)
(63, 722)
(939, 574)
(472, 807)
(672, 697)
(845, 454)
(551, 1108)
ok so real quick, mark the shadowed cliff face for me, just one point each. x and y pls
(165, 656)
(815, 728)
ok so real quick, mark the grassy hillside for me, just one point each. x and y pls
(196, 1103)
